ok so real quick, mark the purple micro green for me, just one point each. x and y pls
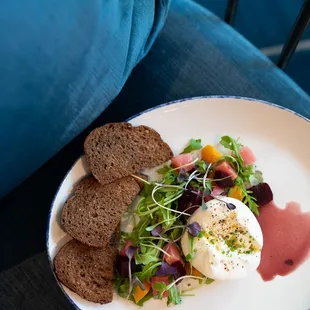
(230, 206)
(165, 269)
(130, 252)
(194, 229)
(182, 176)
(157, 230)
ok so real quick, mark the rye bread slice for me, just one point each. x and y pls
(87, 271)
(117, 150)
(94, 211)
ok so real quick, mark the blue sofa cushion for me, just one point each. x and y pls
(61, 64)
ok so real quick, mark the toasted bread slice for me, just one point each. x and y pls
(94, 211)
(87, 271)
(117, 150)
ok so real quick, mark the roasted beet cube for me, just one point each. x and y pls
(262, 193)
(180, 270)
(189, 199)
(122, 266)
(225, 179)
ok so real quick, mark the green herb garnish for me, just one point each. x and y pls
(148, 271)
(173, 296)
(245, 173)
(161, 219)
(201, 166)
(194, 144)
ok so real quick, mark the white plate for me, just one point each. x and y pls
(280, 141)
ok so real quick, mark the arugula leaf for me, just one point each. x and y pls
(173, 296)
(233, 145)
(148, 254)
(207, 191)
(139, 230)
(169, 174)
(194, 144)
(247, 199)
(170, 177)
(123, 289)
(245, 173)
(201, 166)
(148, 271)
(177, 232)
(160, 287)
(253, 206)
(117, 281)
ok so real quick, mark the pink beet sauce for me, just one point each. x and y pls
(286, 235)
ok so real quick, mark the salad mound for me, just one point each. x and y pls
(151, 263)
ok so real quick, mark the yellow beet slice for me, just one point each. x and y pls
(139, 294)
(210, 154)
(236, 193)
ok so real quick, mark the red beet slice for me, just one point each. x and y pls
(190, 199)
(180, 270)
(226, 180)
(262, 193)
(122, 266)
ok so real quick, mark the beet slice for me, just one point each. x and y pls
(180, 270)
(122, 266)
(226, 179)
(189, 199)
(262, 193)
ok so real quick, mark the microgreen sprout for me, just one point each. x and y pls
(162, 287)
(150, 244)
(192, 176)
(166, 269)
(130, 252)
(182, 176)
(157, 230)
(229, 205)
(194, 144)
(164, 207)
(140, 179)
(194, 229)
(205, 176)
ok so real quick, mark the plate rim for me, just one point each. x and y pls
(50, 261)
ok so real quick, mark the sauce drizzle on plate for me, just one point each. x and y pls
(286, 235)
